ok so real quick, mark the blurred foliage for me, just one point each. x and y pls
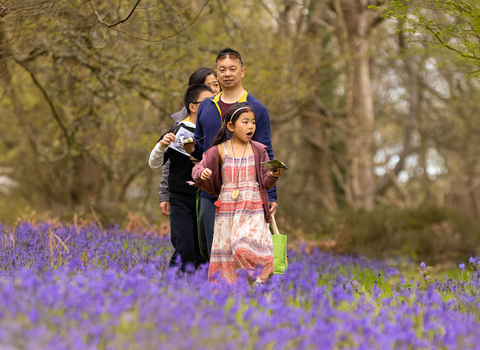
(86, 88)
(430, 234)
(452, 24)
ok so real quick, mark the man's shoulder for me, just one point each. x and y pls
(208, 102)
(208, 105)
(256, 104)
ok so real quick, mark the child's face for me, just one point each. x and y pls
(244, 126)
(203, 96)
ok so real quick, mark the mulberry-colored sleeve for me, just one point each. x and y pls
(209, 184)
(197, 171)
(268, 180)
(263, 135)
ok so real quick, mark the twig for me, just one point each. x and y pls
(118, 22)
(99, 223)
(49, 101)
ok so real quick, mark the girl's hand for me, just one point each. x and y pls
(206, 173)
(279, 172)
(167, 139)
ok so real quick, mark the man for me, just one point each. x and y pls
(230, 72)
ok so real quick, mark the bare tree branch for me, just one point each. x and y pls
(5, 11)
(451, 47)
(169, 36)
(126, 32)
(322, 118)
(50, 103)
(134, 7)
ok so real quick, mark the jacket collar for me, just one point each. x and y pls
(216, 100)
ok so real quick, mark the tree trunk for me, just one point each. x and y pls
(354, 22)
(320, 164)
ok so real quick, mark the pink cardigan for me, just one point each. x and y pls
(213, 185)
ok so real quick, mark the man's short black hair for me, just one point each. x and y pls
(192, 94)
(228, 50)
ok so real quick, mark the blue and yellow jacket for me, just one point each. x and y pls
(209, 122)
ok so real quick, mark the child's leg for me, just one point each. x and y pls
(183, 226)
(173, 239)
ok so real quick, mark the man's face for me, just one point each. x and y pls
(230, 73)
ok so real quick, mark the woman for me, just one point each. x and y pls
(202, 75)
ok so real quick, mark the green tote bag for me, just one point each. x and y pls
(280, 262)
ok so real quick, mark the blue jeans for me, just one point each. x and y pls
(206, 223)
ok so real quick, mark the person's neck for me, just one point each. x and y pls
(193, 118)
(237, 142)
(232, 96)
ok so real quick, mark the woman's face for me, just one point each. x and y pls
(212, 81)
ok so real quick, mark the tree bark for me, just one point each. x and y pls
(354, 23)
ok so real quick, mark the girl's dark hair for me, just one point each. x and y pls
(199, 76)
(232, 115)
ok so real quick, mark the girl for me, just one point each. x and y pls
(241, 239)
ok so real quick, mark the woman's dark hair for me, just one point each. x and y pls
(199, 76)
(232, 115)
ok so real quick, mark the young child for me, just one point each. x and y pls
(241, 238)
(183, 214)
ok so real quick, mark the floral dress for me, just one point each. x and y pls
(241, 238)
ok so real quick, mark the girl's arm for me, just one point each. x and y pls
(268, 179)
(197, 171)
(221, 154)
(206, 173)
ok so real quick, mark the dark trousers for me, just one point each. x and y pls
(206, 222)
(183, 230)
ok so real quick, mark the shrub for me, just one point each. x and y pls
(427, 233)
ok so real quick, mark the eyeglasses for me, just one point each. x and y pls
(231, 55)
(196, 103)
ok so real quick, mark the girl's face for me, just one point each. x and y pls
(244, 126)
(212, 81)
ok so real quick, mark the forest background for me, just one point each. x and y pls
(373, 104)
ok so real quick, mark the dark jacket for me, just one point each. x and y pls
(180, 166)
(213, 185)
(164, 194)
